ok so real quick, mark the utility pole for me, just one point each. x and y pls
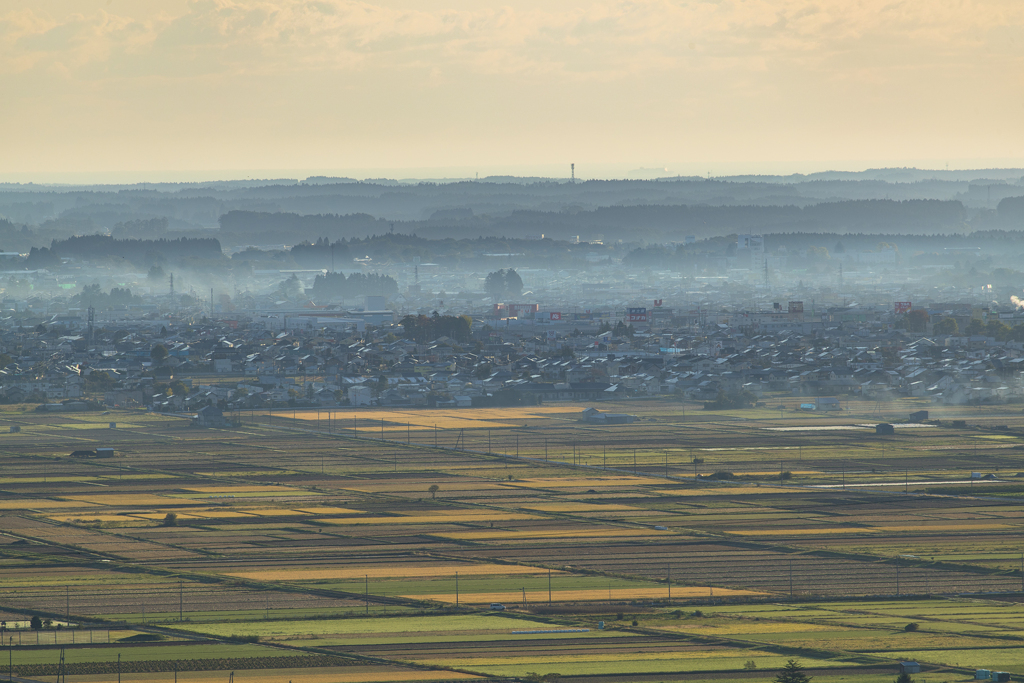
(366, 578)
(181, 598)
(549, 582)
(456, 590)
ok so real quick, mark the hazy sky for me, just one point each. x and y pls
(156, 87)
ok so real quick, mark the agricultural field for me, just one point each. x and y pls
(370, 545)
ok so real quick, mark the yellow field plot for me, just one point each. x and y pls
(453, 518)
(442, 418)
(221, 514)
(344, 674)
(723, 490)
(123, 476)
(389, 572)
(239, 489)
(943, 527)
(419, 485)
(247, 473)
(588, 594)
(583, 482)
(329, 511)
(89, 517)
(40, 504)
(579, 507)
(398, 421)
(161, 515)
(122, 499)
(509, 535)
(803, 532)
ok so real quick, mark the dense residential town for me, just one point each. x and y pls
(515, 354)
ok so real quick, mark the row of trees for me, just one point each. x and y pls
(138, 251)
(917, 321)
(92, 295)
(336, 285)
(423, 329)
(504, 284)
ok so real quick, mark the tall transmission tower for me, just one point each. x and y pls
(172, 285)
(572, 169)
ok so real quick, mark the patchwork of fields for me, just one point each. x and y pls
(344, 547)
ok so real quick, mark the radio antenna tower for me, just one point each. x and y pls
(172, 285)
(572, 169)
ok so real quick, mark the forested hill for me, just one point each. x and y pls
(139, 252)
(628, 223)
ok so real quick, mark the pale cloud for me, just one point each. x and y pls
(742, 70)
(580, 38)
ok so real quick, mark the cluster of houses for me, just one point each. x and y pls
(236, 366)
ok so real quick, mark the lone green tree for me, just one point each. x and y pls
(159, 353)
(36, 623)
(793, 672)
(503, 283)
(904, 677)
(434, 488)
(946, 326)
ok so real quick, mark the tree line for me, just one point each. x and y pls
(423, 329)
(142, 252)
(336, 285)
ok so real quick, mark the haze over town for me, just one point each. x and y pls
(380, 341)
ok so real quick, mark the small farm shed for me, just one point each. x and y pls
(209, 416)
(884, 428)
(910, 668)
(827, 403)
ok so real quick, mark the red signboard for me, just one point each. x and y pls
(657, 302)
(902, 307)
(556, 316)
